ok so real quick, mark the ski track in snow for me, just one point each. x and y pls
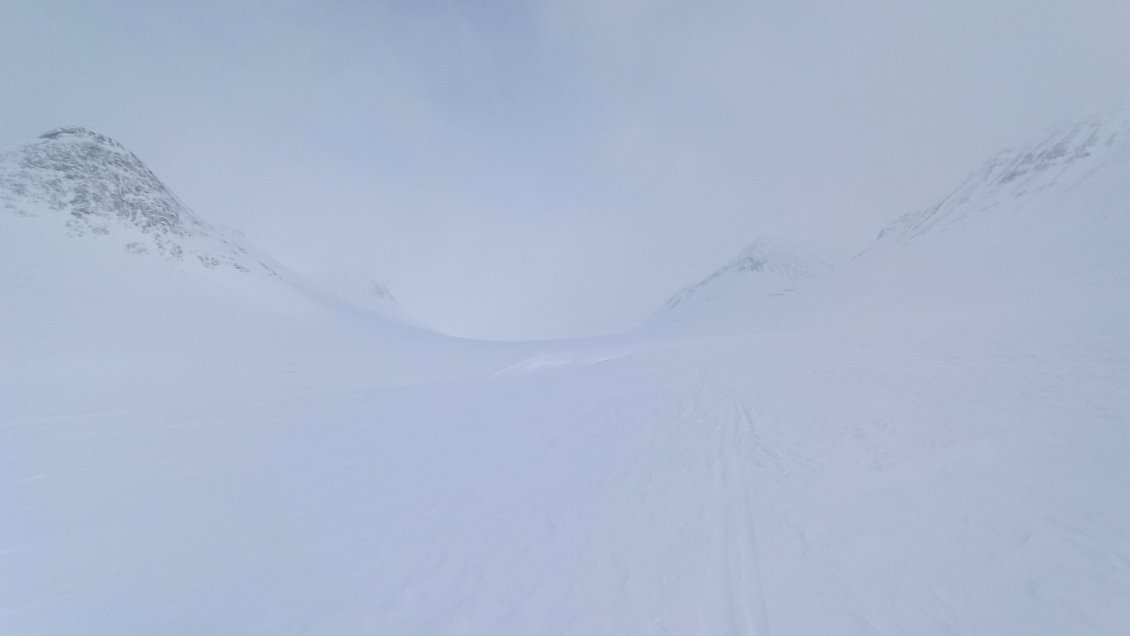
(737, 453)
(679, 491)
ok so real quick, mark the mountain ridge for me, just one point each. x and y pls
(1062, 153)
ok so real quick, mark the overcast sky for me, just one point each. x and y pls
(519, 169)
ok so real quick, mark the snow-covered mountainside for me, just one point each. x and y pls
(1019, 178)
(762, 272)
(1040, 229)
(108, 276)
(1044, 222)
(95, 187)
(762, 268)
(931, 440)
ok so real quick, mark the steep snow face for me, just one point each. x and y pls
(762, 271)
(98, 188)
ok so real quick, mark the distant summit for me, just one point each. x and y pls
(97, 188)
(763, 269)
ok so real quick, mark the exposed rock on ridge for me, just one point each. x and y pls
(1063, 157)
(102, 189)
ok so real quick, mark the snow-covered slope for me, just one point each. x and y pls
(1021, 178)
(1038, 230)
(91, 187)
(764, 270)
(111, 286)
(932, 440)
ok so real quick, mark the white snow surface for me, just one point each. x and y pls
(933, 440)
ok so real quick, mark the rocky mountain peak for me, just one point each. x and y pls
(98, 188)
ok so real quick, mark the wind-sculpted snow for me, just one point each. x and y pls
(101, 189)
